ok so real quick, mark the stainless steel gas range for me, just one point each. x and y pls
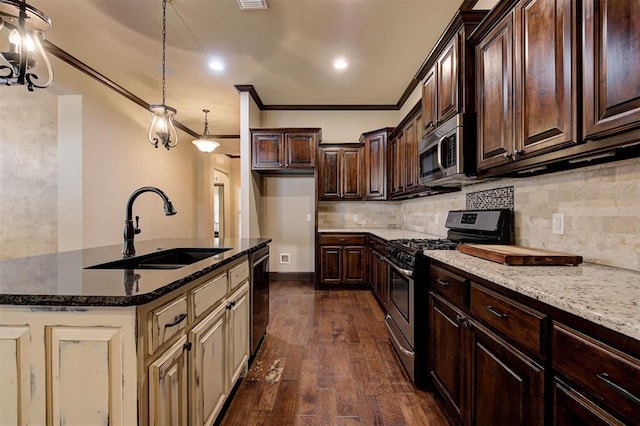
(408, 280)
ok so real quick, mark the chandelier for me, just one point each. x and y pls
(162, 130)
(205, 143)
(25, 25)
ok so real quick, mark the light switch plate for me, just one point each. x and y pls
(308, 217)
(355, 217)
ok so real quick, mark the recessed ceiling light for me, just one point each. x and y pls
(340, 64)
(216, 65)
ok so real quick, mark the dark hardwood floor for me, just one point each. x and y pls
(327, 360)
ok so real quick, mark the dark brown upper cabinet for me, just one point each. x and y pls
(340, 172)
(447, 84)
(287, 150)
(375, 164)
(526, 77)
(611, 68)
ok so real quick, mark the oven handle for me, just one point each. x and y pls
(406, 272)
(395, 339)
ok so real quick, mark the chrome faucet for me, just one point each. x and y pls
(129, 230)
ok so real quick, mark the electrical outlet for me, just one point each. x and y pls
(355, 217)
(437, 219)
(285, 258)
(557, 223)
(308, 217)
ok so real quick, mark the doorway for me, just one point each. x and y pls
(218, 211)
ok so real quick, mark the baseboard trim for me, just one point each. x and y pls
(291, 276)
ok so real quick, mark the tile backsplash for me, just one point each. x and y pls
(601, 207)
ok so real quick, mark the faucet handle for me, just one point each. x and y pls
(137, 230)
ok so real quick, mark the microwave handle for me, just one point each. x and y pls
(440, 153)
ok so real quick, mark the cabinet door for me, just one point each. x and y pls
(410, 155)
(375, 153)
(398, 165)
(84, 375)
(209, 387)
(15, 375)
(572, 408)
(506, 387)
(494, 96)
(267, 151)
(331, 264)
(168, 397)
(352, 173)
(445, 352)
(238, 320)
(429, 102)
(545, 76)
(300, 150)
(447, 81)
(611, 67)
(354, 265)
(329, 174)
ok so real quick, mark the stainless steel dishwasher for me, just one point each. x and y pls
(259, 298)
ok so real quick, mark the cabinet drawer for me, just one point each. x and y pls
(611, 376)
(377, 245)
(166, 321)
(342, 239)
(448, 285)
(208, 294)
(522, 324)
(239, 274)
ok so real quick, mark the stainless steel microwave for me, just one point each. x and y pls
(447, 156)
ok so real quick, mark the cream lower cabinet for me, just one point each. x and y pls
(76, 366)
(171, 362)
(202, 350)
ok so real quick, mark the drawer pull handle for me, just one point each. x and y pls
(342, 240)
(604, 377)
(442, 283)
(187, 346)
(176, 321)
(494, 312)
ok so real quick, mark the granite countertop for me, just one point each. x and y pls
(384, 233)
(60, 279)
(604, 295)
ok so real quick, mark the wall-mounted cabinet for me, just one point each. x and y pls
(340, 172)
(526, 77)
(448, 85)
(403, 154)
(375, 164)
(287, 150)
(528, 59)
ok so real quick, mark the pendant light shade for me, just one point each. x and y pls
(162, 130)
(22, 26)
(205, 143)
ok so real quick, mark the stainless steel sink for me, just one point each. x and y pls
(167, 259)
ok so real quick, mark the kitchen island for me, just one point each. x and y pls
(123, 346)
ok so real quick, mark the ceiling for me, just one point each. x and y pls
(285, 52)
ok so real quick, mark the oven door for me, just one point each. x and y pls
(400, 299)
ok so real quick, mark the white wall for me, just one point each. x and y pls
(286, 202)
(103, 143)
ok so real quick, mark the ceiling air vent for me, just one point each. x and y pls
(253, 4)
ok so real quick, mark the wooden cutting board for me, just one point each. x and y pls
(518, 255)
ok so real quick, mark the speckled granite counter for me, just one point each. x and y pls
(601, 294)
(60, 278)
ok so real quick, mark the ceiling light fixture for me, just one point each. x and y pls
(340, 64)
(25, 25)
(162, 130)
(205, 143)
(216, 65)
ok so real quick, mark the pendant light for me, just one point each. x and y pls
(162, 130)
(24, 25)
(205, 143)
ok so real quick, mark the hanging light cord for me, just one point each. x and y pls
(164, 38)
